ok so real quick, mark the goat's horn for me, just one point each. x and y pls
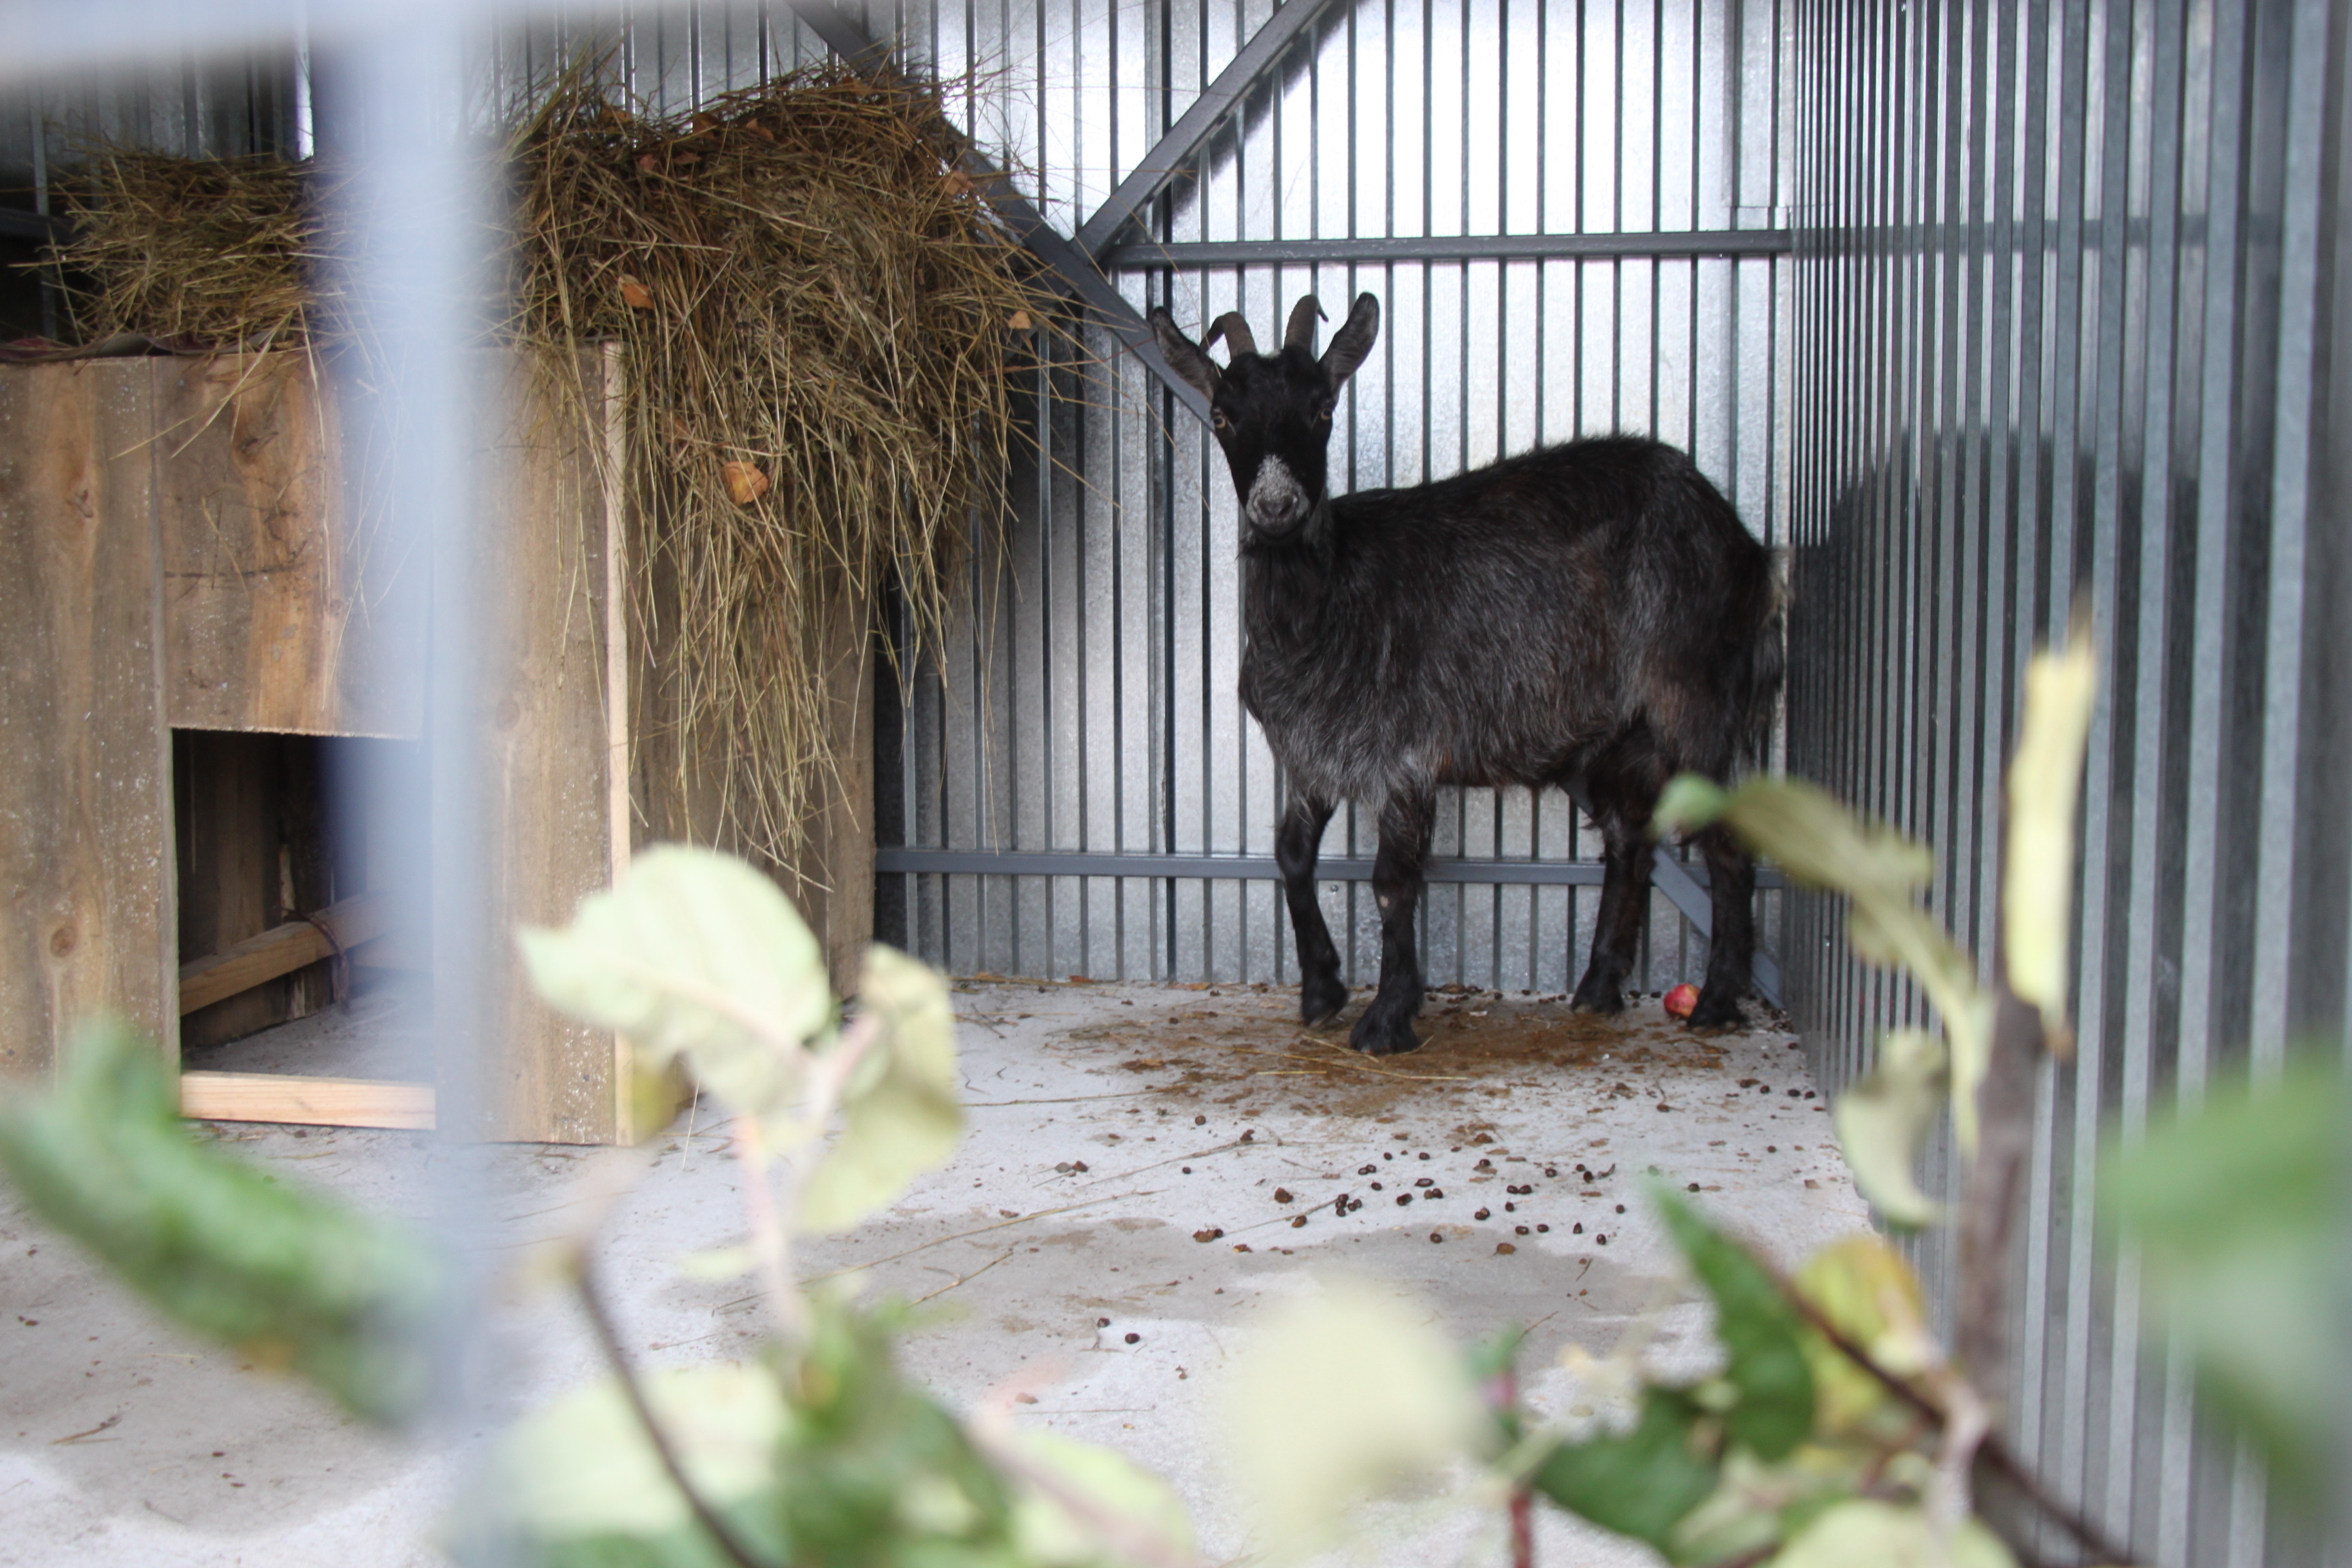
(1300, 333)
(1234, 330)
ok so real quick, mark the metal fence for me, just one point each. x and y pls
(2065, 287)
(1573, 216)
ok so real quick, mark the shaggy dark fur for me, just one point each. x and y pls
(1591, 613)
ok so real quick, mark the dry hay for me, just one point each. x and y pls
(205, 254)
(819, 315)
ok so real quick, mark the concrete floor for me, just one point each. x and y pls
(1109, 1125)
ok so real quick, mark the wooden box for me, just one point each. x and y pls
(176, 560)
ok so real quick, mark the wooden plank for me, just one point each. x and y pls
(86, 916)
(549, 745)
(282, 949)
(306, 1102)
(275, 615)
(619, 769)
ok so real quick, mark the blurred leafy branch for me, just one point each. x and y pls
(1837, 1432)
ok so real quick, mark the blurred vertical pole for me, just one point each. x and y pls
(391, 113)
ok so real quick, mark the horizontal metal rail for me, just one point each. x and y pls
(1684, 882)
(1508, 873)
(1666, 245)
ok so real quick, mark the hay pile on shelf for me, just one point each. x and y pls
(818, 312)
(201, 253)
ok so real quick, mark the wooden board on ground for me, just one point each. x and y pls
(306, 1102)
(85, 771)
(279, 950)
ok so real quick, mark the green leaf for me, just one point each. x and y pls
(1865, 1289)
(1867, 1533)
(693, 955)
(1758, 1329)
(2239, 1209)
(1688, 802)
(291, 1278)
(1639, 1483)
(1818, 841)
(2045, 780)
(1152, 1526)
(1342, 1394)
(582, 1466)
(826, 1458)
(903, 1113)
(1884, 1117)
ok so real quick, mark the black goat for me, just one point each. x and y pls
(1592, 611)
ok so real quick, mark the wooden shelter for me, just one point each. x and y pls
(180, 581)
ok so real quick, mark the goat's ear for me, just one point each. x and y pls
(1183, 356)
(1353, 340)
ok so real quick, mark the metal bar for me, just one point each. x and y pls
(1682, 885)
(1076, 271)
(1498, 872)
(1672, 243)
(1171, 156)
(37, 228)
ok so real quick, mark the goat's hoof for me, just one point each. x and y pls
(1596, 1000)
(1378, 1037)
(1319, 1001)
(1716, 1010)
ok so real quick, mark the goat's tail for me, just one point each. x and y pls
(1759, 694)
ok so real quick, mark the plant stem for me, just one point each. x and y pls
(1996, 1183)
(609, 1341)
(1991, 1453)
(767, 1229)
(1523, 1528)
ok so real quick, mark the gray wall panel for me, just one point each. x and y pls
(2057, 288)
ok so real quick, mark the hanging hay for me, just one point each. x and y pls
(817, 311)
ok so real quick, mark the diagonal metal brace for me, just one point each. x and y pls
(1690, 896)
(1172, 156)
(1076, 271)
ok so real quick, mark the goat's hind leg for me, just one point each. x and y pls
(1386, 1029)
(1320, 993)
(1731, 937)
(1625, 903)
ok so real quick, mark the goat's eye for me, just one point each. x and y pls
(1217, 418)
(1324, 417)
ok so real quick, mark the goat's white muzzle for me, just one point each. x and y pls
(1277, 501)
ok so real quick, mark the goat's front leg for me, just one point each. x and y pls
(1386, 1027)
(1320, 993)
(1625, 903)
(1731, 936)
